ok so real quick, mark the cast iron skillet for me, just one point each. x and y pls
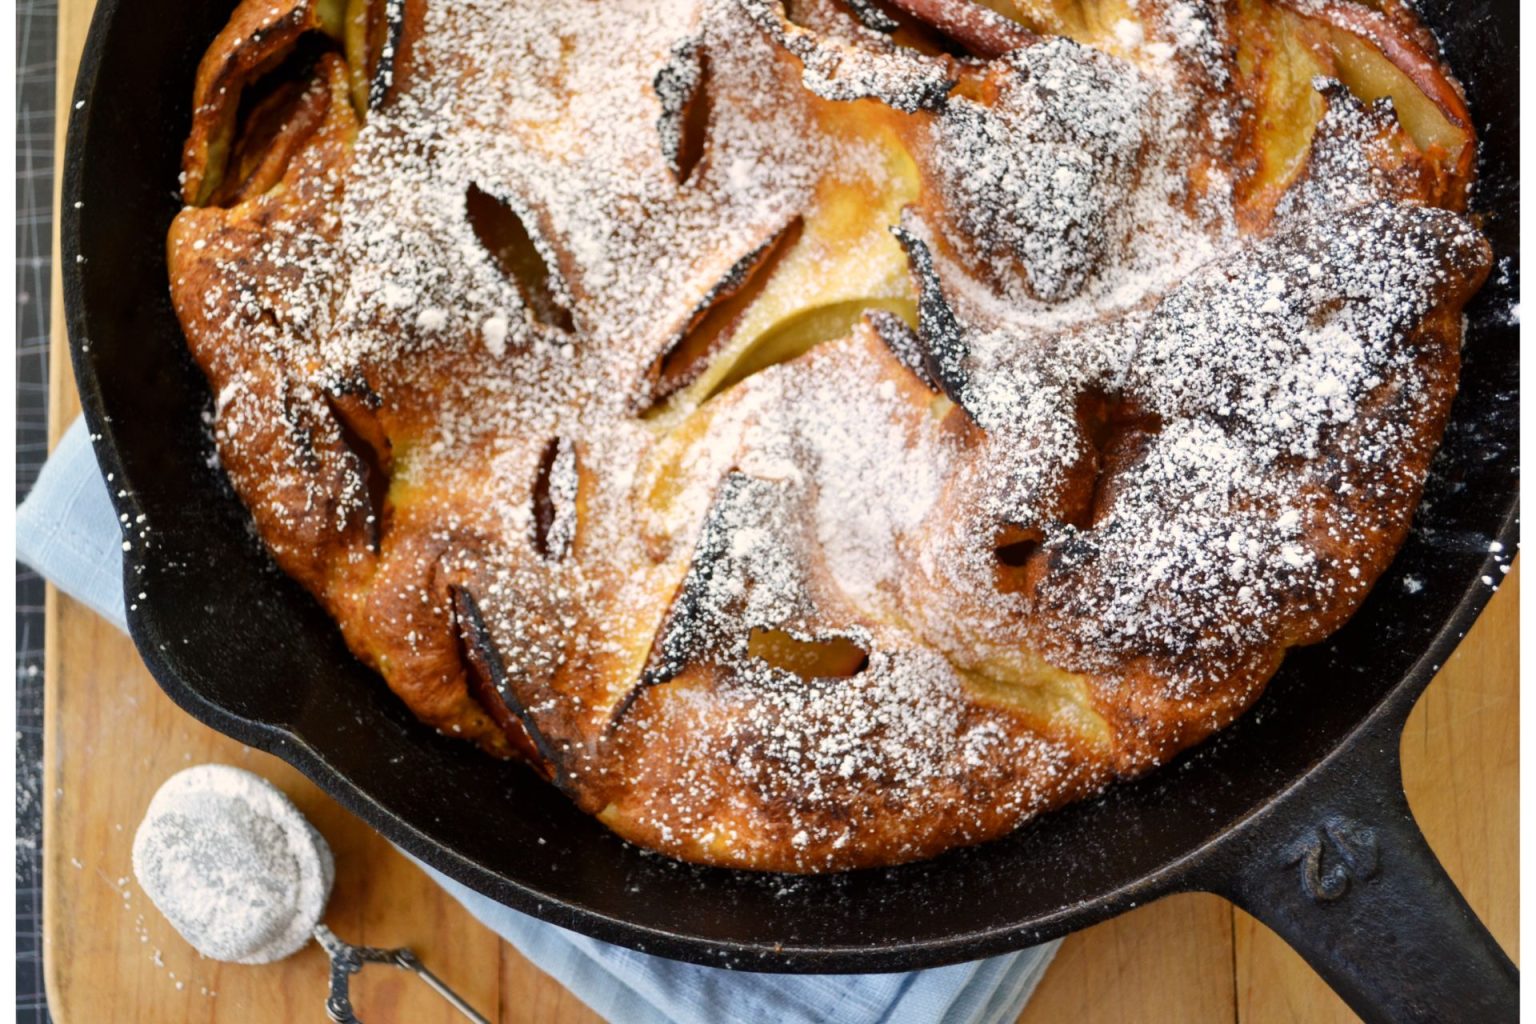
(1296, 813)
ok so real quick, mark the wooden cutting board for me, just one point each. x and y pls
(111, 738)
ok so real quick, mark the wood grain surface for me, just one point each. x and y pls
(111, 738)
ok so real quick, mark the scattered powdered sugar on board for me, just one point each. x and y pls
(232, 864)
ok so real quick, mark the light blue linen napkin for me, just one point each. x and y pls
(68, 532)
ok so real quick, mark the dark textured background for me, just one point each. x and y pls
(36, 22)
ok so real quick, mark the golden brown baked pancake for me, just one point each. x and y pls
(820, 435)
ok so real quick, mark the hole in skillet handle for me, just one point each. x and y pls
(1337, 867)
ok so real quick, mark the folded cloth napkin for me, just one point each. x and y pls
(68, 532)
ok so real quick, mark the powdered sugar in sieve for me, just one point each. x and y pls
(233, 865)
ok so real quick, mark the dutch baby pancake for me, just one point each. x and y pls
(818, 434)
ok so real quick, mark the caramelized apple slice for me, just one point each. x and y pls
(794, 337)
(1053, 700)
(983, 32)
(277, 128)
(374, 42)
(741, 547)
(1278, 56)
(260, 35)
(712, 321)
(1096, 23)
(1375, 57)
(357, 40)
(1282, 48)
(488, 684)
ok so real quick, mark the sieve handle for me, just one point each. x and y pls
(347, 960)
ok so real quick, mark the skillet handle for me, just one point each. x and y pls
(1339, 869)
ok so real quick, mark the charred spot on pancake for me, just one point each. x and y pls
(872, 16)
(940, 334)
(903, 343)
(298, 421)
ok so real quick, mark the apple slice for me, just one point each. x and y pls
(260, 35)
(789, 339)
(983, 32)
(373, 38)
(1053, 700)
(1283, 46)
(1090, 22)
(1375, 56)
(840, 263)
(277, 127)
(1278, 55)
(492, 689)
(714, 319)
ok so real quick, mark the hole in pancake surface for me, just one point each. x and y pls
(506, 238)
(832, 658)
(693, 127)
(363, 436)
(1013, 548)
(1117, 433)
(554, 500)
